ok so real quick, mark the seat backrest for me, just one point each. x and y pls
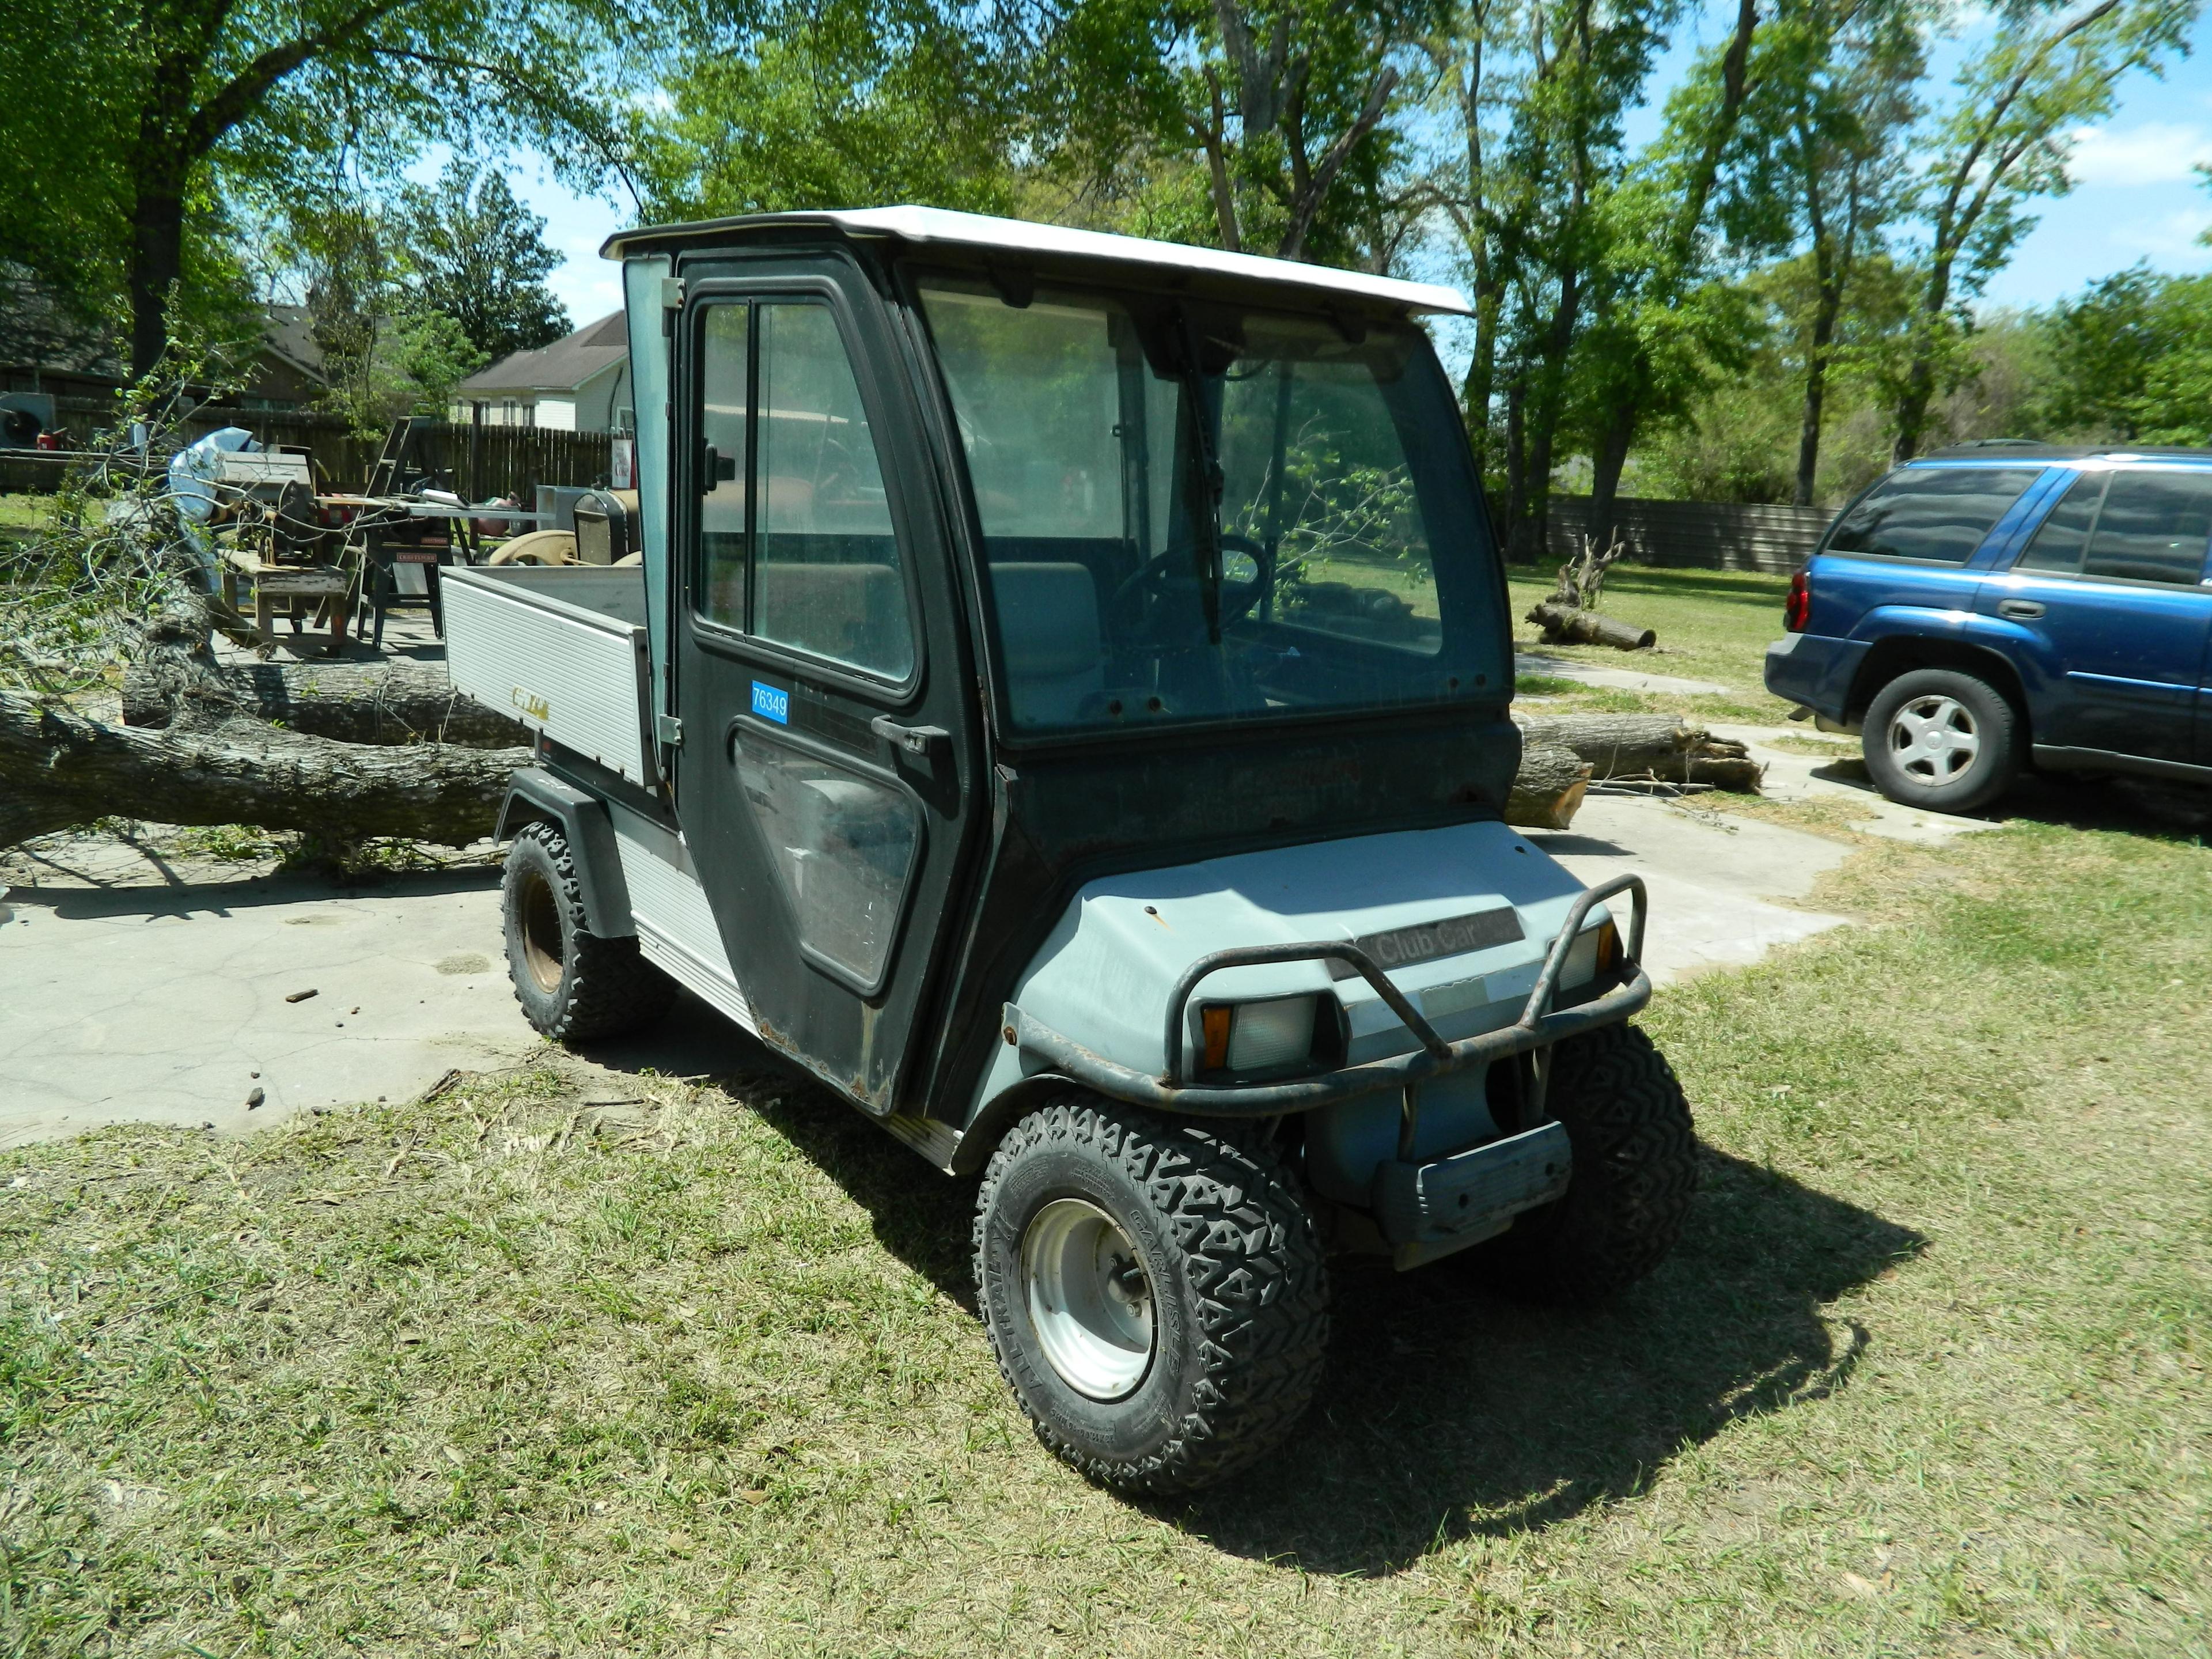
(1048, 630)
(853, 613)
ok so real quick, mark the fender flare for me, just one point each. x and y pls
(536, 796)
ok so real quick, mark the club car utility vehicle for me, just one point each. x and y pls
(1062, 705)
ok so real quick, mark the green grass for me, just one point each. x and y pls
(509, 1373)
(25, 512)
(1713, 625)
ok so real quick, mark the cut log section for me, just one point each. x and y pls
(59, 770)
(1549, 788)
(1564, 625)
(1657, 746)
(353, 703)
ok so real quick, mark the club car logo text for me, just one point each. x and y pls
(1427, 941)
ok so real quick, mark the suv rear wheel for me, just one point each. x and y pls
(1155, 1292)
(1940, 739)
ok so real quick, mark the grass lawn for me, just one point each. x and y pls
(25, 512)
(514, 1373)
(1713, 625)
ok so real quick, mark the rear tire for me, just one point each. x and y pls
(1636, 1168)
(573, 985)
(1941, 740)
(1155, 1294)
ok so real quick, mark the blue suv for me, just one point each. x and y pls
(2006, 605)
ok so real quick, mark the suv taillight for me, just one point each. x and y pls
(1799, 606)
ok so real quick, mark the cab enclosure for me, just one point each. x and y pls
(1034, 628)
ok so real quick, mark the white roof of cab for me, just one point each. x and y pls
(924, 225)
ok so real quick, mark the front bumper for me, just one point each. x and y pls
(1539, 1026)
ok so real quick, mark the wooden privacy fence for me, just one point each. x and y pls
(480, 462)
(1707, 535)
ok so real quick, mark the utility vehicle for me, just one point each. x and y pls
(1062, 705)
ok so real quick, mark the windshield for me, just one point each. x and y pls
(1199, 511)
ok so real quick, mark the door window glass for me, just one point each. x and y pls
(1937, 513)
(844, 846)
(722, 403)
(828, 579)
(2056, 549)
(2153, 528)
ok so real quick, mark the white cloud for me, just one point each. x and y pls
(2171, 239)
(2155, 153)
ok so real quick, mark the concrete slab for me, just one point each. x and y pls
(164, 1003)
(1841, 775)
(1713, 879)
(1619, 680)
(139, 987)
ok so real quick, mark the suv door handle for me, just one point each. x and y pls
(921, 740)
(2026, 609)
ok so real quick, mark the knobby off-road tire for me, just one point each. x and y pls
(1235, 1289)
(573, 985)
(1942, 740)
(1636, 1168)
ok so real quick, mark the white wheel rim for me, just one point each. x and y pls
(1089, 1300)
(1934, 739)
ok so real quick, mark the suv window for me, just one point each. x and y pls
(2152, 529)
(1938, 513)
(2146, 527)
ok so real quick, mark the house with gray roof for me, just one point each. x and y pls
(578, 384)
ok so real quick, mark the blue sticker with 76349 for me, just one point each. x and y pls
(771, 703)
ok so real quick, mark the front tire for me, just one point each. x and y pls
(1155, 1294)
(574, 986)
(1635, 1171)
(1941, 740)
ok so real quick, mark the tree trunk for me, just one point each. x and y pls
(353, 703)
(1563, 625)
(1645, 746)
(1612, 455)
(1549, 788)
(59, 769)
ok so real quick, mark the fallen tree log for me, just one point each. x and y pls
(59, 770)
(1549, 788)
(353, 703)
(1566, 625)
(1645, 746)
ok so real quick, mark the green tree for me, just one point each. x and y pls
(2046, 71)
(468, 250)
(847, 103)
(168, 103)
(2130, 360)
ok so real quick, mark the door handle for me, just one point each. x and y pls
(922, 740)
(2024, 610)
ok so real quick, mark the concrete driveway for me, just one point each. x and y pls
(138, 987)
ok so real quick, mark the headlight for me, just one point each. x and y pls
(1254, 1036)
(1596, 951)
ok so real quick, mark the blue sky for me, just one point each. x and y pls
(2135, 196)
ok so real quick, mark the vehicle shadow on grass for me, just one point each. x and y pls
(1449, 1410)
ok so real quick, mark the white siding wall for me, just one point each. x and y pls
(557, 414)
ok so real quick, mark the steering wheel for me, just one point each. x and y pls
(1238, 599)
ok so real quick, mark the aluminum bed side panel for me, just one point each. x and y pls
(578, 676)
(676, 928)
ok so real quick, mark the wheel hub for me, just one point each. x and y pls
(1088, 1298)
(541, 933)
(1934, 739)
